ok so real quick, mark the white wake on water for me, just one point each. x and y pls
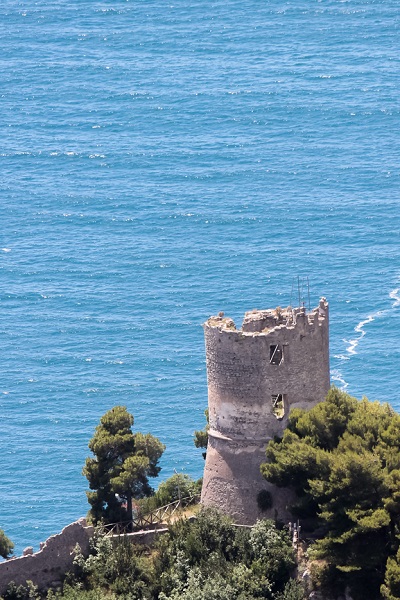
(337, 377)
(351, 349)
(394, 295)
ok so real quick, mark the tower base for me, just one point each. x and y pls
(232, 481)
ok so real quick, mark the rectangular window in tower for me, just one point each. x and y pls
(278, 405)
(275, 354)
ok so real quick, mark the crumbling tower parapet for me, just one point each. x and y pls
(278, 360)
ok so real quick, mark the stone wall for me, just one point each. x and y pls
(277, 360)
(48, 566)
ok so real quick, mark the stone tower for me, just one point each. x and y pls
(278, 360)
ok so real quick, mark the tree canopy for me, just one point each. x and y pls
(201, 436)
(6, 545)
(178, 486)
(122, 464)
(210, 558)
(342, 459)
(207, 558)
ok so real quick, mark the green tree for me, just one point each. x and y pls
(122, 464)
(75, 593)
(293, 591)
(208, 558)
(390, 590)
(212, 558)
(342, 459)
(201, 436)
(176, 487)
(20, 592)
(6, 545)
(271, 552)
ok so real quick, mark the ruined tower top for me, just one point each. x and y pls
(263, 321)
(278, 360)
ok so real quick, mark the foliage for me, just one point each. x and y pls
(342, 459)
(390, 590)
(75, 593)
(6, 545)
(201, 436)
(207, 558)
(293, 591)
(241, 586)
(122, 465)
(118, 566)
(212, 555)
(20, 592)
(271, 552)
(178, 486)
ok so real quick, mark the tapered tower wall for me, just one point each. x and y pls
(277, 360)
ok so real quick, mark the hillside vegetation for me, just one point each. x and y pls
(205, 559)
(342, 459)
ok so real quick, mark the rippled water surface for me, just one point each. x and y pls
(164, 161)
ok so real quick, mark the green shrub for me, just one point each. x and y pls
(178, 486)
(207, 558)
(342, 459)
(254, 562)
(21, 592)
(293, 591)
(6, 545)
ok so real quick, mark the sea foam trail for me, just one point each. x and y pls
(337, 377)
(351, 349)
(394, 295)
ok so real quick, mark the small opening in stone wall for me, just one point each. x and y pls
(278, 406)
(264, 500)
(275, 354)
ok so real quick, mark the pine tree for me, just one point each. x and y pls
(122, 464)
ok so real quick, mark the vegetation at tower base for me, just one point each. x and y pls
(342, 458)
(208, 558)
(6, 545)
(121, 468)
(179, 486)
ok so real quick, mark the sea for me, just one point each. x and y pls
(161, 161)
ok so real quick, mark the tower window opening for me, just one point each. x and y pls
(278, 405)
(275, 354)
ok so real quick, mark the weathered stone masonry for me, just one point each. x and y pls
(48, 566)
(278, 360)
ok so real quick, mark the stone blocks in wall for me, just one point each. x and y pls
(278, 360)
(51, 562)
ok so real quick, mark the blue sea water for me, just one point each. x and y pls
(160, 162)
